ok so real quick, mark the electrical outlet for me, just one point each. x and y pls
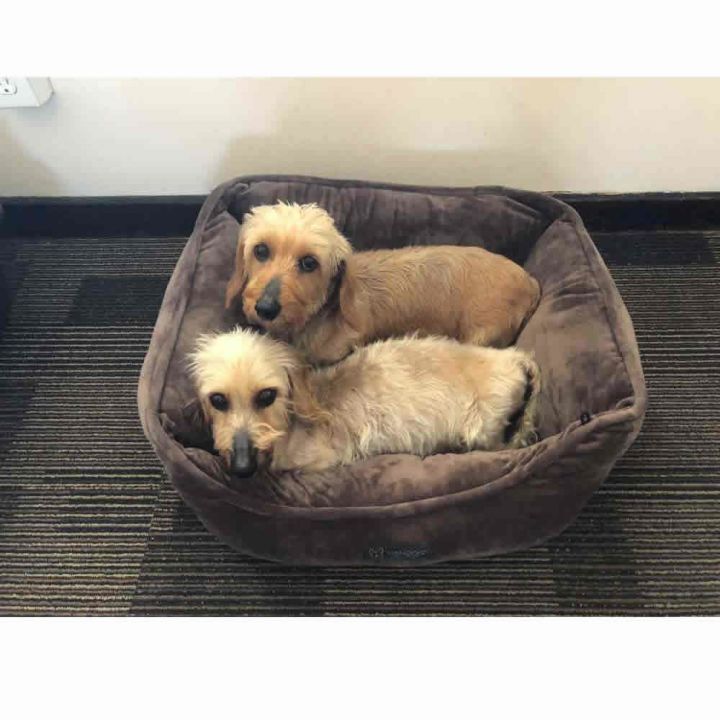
(7, 87)
(24, 92)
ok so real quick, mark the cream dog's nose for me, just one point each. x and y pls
(243, 462)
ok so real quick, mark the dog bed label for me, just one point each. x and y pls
(381, 553)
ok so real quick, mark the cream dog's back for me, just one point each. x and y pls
(412, 395)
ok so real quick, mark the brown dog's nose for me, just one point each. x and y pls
(268, 306)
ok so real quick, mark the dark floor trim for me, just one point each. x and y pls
(99, 217)
(174, 215)
(646, 211)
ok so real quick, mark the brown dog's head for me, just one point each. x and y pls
(243, 383)
(289, 258)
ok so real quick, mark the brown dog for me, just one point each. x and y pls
(298, 278)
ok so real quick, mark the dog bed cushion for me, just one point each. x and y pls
(403, 509)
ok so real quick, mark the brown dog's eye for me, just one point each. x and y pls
(261, 252)
(308, 263)
(219, 401)
(266, 397)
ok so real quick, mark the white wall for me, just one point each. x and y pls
(155, 137)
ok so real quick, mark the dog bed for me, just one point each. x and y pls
(402, 509)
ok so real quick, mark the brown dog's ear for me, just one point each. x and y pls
(352, 301)
(237, 281)
(333, 294)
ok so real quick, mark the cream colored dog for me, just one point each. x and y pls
(296, 276)
(406, 395)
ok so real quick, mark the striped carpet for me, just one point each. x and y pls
(90, 526)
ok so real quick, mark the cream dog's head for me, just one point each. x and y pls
(244, 387)
(289, 260)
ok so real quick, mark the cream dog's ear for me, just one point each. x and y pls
(197, 415)
(199, 427)
(237, 281)
(303, 401)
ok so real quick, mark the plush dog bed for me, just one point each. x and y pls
(402, 509)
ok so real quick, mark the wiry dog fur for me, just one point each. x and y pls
(404, 395)
(466, 293)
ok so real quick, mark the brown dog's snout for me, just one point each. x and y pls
(268, 306)
(243, 460)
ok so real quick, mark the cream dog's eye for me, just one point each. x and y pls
(261, 252)
(308, 263)
(219, 401)
(266, 397)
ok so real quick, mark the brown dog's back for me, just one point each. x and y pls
(467, 293)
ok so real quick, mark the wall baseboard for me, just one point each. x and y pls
(646, 211)
(174, 215)
(99, 217)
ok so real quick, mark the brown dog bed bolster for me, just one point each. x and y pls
(402, 509)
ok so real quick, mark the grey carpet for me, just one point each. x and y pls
(90, 526)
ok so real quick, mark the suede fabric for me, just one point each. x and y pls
(402, 509)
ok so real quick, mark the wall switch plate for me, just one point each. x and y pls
(24, 92)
